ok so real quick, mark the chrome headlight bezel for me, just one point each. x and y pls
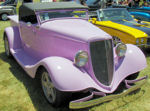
(81, 58)
(121, 49)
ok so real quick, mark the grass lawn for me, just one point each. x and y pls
(18, 92)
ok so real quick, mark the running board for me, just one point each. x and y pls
(23, 58)
(26, 61)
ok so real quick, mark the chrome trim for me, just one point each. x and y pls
(84, 103)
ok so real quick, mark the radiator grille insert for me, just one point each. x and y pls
(102, 60)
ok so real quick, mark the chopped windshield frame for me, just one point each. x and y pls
(114, 15)
(56, 14)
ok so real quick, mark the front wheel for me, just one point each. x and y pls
(54, 96)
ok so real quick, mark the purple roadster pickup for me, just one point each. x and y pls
(55, 41)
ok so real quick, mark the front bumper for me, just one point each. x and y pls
(84, 103)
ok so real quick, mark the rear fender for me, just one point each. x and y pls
(13, 37)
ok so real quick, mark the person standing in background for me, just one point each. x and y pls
(130, 3)
(136, 3)
(145, 3)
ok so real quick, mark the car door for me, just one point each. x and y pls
(28, 34)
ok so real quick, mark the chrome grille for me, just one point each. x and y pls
(102, 60)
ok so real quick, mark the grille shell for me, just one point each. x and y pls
(102, 60)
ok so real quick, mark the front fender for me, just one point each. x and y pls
(8, 11)
(134, 61)
(66, 76)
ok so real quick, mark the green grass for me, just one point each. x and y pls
(18, 92)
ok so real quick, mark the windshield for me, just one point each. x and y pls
(115, 15)
(44, 16)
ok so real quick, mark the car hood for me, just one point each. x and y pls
(121, 27)
(145, 27)
(76, 29)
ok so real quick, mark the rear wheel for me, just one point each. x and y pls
(54, 96)
(4, 16)
(7, 48)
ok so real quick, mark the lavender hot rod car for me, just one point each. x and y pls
(55, 41)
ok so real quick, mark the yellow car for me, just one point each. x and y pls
(121, 26)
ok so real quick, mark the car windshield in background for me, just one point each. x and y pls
(44, 16)
(115, 15)
(7, 2)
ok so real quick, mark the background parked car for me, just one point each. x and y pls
(140, 13)
(7, 8)
(141, 16)
(9, 3)
(119, 24)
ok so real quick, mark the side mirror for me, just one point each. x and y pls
(29, 24)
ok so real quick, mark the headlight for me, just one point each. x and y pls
(81, 58)
(121, 49)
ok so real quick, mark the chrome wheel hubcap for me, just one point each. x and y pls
(48, 88)
(4, 17)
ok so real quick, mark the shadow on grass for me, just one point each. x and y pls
(34, 91)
